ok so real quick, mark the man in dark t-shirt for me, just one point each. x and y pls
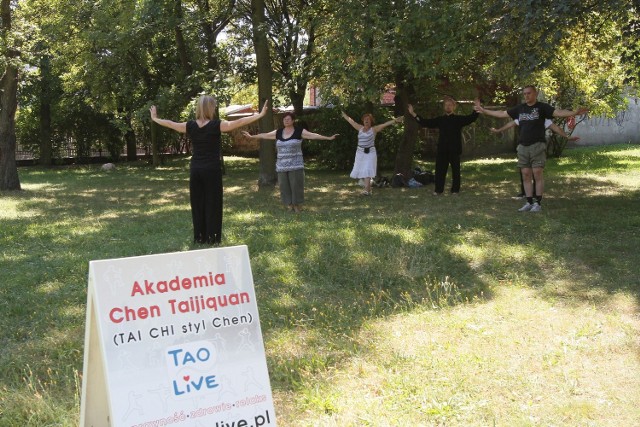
(532, 148)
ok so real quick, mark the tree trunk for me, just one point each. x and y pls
(297, 96)
(297, 100)
(155, 152)
(404, 157)
(9, 179)
(193, 87)
(212, 24)
(130, 139)
(181, 45)
(268, 176)
(46, 149)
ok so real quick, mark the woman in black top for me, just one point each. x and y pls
(205, 180)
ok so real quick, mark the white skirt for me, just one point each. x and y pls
(366, 164)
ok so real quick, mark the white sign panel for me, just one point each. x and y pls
(174, 339)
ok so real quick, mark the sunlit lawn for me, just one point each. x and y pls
(401, 309)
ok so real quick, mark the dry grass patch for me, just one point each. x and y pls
(518, 359)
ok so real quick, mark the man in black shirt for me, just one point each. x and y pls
(449, 142)
(532, 141)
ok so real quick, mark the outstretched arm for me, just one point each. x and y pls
(228, 126)
(413, 114)
(267, 135)
(569, 113)
(381, 126)
(428, 123)
(557, 129)
(474, 114)
(509, 125)
(493, 113)
(179, 127)
(310, 135)
(356, 126)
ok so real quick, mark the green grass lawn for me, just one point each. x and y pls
(401, 309)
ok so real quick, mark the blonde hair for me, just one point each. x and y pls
(206, 107)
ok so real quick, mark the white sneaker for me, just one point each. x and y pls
(536, 208)
(526, 208)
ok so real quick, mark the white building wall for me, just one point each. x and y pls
(623, 128)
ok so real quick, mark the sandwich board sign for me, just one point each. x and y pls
(175, 339)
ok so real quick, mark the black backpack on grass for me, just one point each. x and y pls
(398, 181)
(425, 178)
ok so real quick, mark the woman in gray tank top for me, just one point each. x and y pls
(289, 162)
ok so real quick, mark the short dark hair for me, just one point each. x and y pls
(532, 87)
(290, 114)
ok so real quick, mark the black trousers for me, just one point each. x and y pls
(205, 193)
(443, 160)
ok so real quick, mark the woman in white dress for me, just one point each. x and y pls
(366, 163)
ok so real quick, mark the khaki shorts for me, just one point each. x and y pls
(532, 156)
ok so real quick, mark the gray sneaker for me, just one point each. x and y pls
(526, 208)
(536, 208)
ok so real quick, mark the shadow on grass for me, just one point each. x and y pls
(349, 259)
(323, 274)
(63, 219)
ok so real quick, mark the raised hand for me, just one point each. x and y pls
(265, 108)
